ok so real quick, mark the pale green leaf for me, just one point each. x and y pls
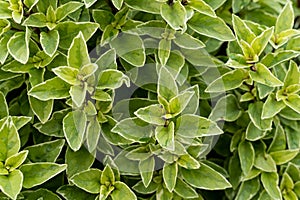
(167, 87)
(271, 107)
(88, 180)
(10, 141)
(165, 136)
(264, 76)
(112, 79)
(248, 189)
(247, 156)
(64, 10)
(174, 14)
(3, 106)
(293, 101)
(13, 162)
(284, 156)
(122, 191)
(146, 168)
(169, 173)
(153, 114)
(68, 74)
(18, 46)
(184, 190)
(11, 184)
(261, 41)
(49, 42)
(45, 152)
(205, 178)
(255, 113)
(202, 7)
(78, 54)
(74, 125)
(38, 173)
(213, 27)
(285, 20)
(130, 48)
(191, 126)
(36, 20)
(54, 88)
(270, 182)
(228, 81)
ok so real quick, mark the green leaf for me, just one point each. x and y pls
(213, 27)
(122, 191)
(130, 48)
(265, 162)
(242, 30)
(74, 193)
(144, 5)
(13, 162)
(227, 108)
(164, 50)
(205, 178)
(174, 14)
(5, 12)
(264, 76)
(88, 180)
(146, 168)
(102, 17)
(180, 102)
(64, 10)
(3, 106)
(293, 101)
(11, 184)
(112, 79)
(247, 156)
(238, 5)
(10, 141)
(45, 152)
(38, 173)
(74, 125)
(170, 172)
(36, 20)
(73, 29)
(165, 136)
(270, 182)
(107, 176)
(273, 59)
(167, 87)
(140, 187)
(188, 162)
(284, 156)
(49, 42)
(78, 94)
(40, 194)
(30, 3)
(228, 81)
(255, 113)
(118, 3)
(184, 190)
(89, 3)
(54, 88)
(202, 7)
(261, 41)
(133, 129)
(191, 126)
(68, 74)
(285, 20)
(292, 76)
(271, 107)
(187, 41)
(18, 46)
(82, 156)
(248, 189)
(78, 54)
(107, 60)
(153, 114)
(253, 133)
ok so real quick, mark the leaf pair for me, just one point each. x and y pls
(103, 183)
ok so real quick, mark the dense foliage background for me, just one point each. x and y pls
(149, 99)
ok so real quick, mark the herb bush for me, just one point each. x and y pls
(149, 99)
